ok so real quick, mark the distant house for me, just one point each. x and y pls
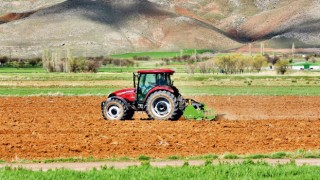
(305, 66)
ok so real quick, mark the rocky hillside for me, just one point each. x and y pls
(99, 27)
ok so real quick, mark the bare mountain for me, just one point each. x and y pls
(96, 27)
(101, 27)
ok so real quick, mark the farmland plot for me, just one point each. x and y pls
(57, 127)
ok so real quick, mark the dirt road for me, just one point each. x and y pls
(54, 127)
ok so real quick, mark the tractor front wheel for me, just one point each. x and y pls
(163, 105)
(115, 109)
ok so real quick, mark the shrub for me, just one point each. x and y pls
(144, 158)
(141, 58)
(106, 61)
(15, 64)
(186, 57)
(3, 60)
(93, 66)
(186, 163)
(35, 61)
(79, 65)
(282, 66)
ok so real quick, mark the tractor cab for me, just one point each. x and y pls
(150, 80)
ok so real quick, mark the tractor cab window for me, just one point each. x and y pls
(163, 80)
(146, 83)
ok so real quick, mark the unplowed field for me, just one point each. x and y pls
(53, 127)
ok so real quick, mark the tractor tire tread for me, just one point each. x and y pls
(175, 115)
(125, 109)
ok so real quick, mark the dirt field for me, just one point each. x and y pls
(53, 127)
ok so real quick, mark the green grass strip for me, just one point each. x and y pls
(209, 90)
(22, 70)
(246, 170)
(251, 90)
(56, 91)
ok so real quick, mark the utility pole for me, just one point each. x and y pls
(250, 48)
(262, 48)
(293, 50)
(10, 55)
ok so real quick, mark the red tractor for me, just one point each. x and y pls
(154, 93)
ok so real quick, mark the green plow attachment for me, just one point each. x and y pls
(197, 111)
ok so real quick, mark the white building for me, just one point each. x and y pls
(305, 66)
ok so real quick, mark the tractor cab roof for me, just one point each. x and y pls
(156, 71)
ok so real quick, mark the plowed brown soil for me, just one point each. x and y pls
(53, 127)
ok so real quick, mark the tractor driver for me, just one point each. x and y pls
(162, 80)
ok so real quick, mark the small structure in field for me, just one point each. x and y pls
(305, 66)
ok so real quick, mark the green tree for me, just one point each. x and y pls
(226, 64)
(258, 62)
(282, 66)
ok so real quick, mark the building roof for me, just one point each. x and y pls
(156, 71)
(305, 64)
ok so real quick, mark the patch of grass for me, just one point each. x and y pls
(76, 159)
(144, 158)
(208, 162)
(248, 161)
(64, 76)
(203, 90)
(186, 163)
(71, 159)
(64, 160)
(145, 163)
(174, 157)
(124, 159)
(251, 91)
(301, 153)
(54, 91)
(278, 155)
(2, 161)
(206, 156)
(230, 156)
(21, 70)
(210, 156)
(245, 170)
(257, 156)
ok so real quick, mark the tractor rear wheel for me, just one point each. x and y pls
(163, 105)
(115, 109)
